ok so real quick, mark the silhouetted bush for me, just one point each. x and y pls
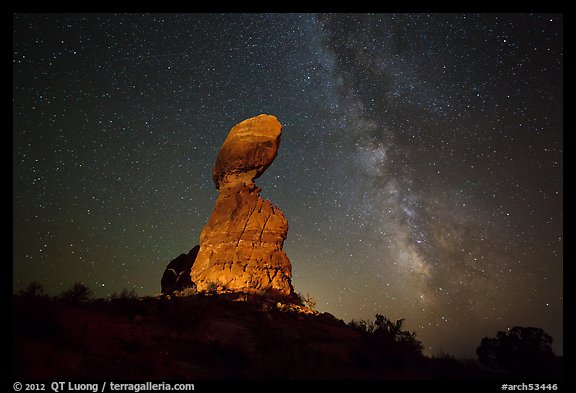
(443, 356)
(307, 300)
(34, 289)
(393, 331)
(190, 291)
(211, 288)
(522, 351)
(125, 294)
(389, 335)
(362, 325)
(78, 293)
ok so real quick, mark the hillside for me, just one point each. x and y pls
(204, 337)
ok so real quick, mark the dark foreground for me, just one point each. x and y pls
(205, 337)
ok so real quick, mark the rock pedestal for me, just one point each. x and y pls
(241, 245)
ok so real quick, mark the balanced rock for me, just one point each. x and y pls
(176, 277)
(241, 245)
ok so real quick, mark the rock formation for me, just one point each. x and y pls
(176, 277)
(241, 245)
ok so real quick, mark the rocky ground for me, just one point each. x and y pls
(204, 337)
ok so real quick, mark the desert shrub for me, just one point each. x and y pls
(79, 292)
(389, 335)
(34, 289)
(443, 356)
(362, 325)
(211, 288)
(306, 300)
(127, 303)
(525, 351)
(310, 301)
(125, 294)
(392, 331)
(190, 291)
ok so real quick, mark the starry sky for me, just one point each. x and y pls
(420, 168)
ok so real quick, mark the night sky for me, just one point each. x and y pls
(420, 168)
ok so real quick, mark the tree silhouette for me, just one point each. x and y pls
(78, 293)
(525, 351)
(393, 332)
(390, 334)
(125, 295)
(34, 289)
(307, 300)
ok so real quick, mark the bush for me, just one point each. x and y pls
(308, 300)
(443, 356)
(525, 351)
(78, 293)
(393, 331)
(362, 325)
(125, 294)
(389, 334)
(190, 291)
(211, 288)
(34, 289)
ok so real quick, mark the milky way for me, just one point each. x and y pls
(420, 167)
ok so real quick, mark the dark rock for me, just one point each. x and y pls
(176, 277)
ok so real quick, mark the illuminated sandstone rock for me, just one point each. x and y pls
(241, 245)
